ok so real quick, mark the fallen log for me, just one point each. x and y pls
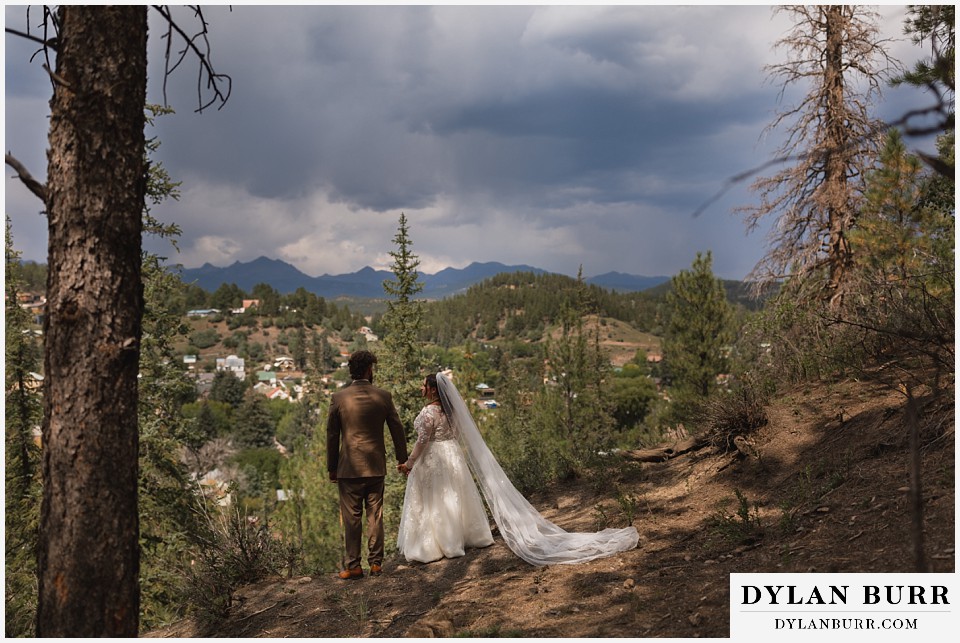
(666, 452)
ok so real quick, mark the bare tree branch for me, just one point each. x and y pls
(902, 122)
(214, 80)
(32, 184)
(27, 36)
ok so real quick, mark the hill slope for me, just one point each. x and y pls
(826, 494)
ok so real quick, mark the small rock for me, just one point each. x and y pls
(304, 580)
(687, 558)
(695, 619)
(430, 630)
(575, 610)
(629, 583)
(823, 509)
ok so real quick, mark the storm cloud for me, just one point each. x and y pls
(554, 136)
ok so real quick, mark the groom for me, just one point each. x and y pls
(357, 459)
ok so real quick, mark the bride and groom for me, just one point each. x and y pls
(442, 510)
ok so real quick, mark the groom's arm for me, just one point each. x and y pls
(333, 440)
(396, 432)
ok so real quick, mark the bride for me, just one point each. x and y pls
(442, 511)
(441, 507)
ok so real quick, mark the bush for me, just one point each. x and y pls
(236, 550)
(204, 338)
(727, 414)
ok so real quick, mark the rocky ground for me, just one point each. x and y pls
(825, 491)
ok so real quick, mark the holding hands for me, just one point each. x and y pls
(404, 468)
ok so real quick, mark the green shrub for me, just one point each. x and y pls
(235, 550)
(204, 338)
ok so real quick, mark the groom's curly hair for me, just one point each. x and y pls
(359, 362)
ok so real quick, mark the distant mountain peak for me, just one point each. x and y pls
(368, 282)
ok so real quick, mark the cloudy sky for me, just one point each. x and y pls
(555, 136)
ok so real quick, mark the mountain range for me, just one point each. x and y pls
(368, 283)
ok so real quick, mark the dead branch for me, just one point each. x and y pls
(214, 80)
(664, 453)
(28, 36)
(259, 611)
(26, 178)
(55, 77)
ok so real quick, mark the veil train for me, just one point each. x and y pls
(528, 534)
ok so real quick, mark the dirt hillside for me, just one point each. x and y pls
(824, 491)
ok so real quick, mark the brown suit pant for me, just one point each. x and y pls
(357, 494)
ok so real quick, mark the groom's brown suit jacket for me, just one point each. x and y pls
(355, 442)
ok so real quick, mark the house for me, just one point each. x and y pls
(190, 361)
(484, 390)
(232, 364)
(368, 334)
(284, 363)
(250, 303)
(278, 393)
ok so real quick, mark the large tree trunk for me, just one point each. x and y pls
(88, 549)
(835, 169)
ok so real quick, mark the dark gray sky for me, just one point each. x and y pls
(554, 136)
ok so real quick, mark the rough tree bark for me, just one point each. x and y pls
(836, 199)
(88, 549)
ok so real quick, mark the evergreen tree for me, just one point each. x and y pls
(528, 449)
(167, 523)
(298, 348)
(227, 388)
(308, 517)
(905, 257)
(935, 26)
(578, 369)
(696, 334)
(22, 488)
(254, 427)
(401, 361)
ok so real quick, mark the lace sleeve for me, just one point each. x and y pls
(426, 425)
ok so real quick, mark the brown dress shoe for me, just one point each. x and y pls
(351, 574)
(375, 570)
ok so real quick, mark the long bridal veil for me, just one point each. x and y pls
(528, 534)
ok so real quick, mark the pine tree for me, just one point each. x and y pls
(254, 426)
(401, 361)
(308, 518)
(166, 501)
(578, 368)
(905, 300)
(696, 334)
(22, 490)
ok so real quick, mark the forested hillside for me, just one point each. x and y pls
(525, 305)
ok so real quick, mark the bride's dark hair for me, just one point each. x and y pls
(431, 382)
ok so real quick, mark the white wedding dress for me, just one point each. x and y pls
(442, 511)
(427, 506)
